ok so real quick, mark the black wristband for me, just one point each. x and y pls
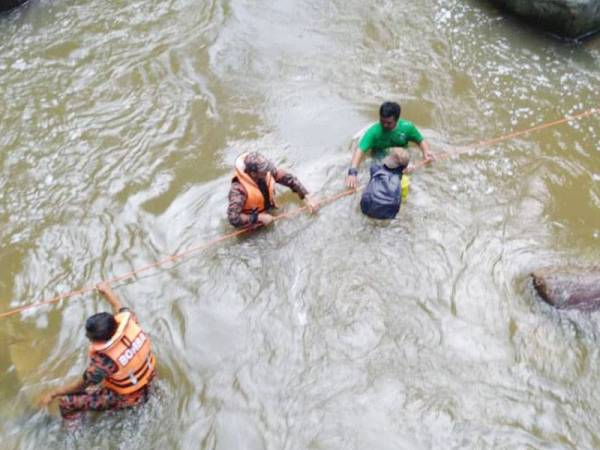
(352, 172)
(254, 216)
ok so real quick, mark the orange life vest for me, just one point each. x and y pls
(129, 349)
(255, 199)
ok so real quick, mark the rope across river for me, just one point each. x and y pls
(325, 201)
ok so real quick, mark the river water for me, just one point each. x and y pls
(119, 125)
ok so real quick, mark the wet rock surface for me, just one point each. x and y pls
(5, 5)
(569, 288)
(567, 18)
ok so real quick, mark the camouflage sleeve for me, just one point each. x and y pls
(237, 198)
(99, 368)
(289, 180)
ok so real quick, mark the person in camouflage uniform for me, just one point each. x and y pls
(94, 398)
(89, 393)
(257, 168)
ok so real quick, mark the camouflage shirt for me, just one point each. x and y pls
(238, 195)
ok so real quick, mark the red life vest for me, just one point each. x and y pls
(255, 199)
(129, 349)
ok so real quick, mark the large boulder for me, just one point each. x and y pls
(5, 5)
(567, 18)
(569, 288)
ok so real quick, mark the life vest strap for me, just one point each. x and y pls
(126, 341)
(132, 379)
(134, 376)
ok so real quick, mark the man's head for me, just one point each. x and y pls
(398, 157)
(389, 113)
(257, 166)
(100, 327)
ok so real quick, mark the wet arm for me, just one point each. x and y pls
(289, 180)
(99, 368)
(357, 158)
(70, 388)
(424, 146)
(237, 198)
(351, 177)
(109, 295)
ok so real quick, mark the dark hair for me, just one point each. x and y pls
(389, 109)
(100, 327)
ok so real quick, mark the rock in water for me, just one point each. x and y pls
(566, 288)
(567, 18)
(5, 5)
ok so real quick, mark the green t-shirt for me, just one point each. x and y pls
(378, 140)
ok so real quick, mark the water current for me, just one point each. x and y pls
(119, 125)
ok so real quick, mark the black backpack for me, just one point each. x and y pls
(382, 196)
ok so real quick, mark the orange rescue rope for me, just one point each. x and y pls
(196, 248)
(506, 137)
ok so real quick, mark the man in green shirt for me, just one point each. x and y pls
(390, 131)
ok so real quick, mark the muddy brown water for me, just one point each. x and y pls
(119, 125)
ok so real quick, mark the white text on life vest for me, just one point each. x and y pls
(136, 345)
